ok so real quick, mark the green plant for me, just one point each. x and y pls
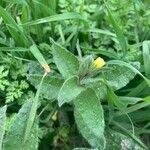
(90, 88)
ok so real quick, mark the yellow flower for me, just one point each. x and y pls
(54, 117)
(99, 63)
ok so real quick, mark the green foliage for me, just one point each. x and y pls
(65, 94)
(66, 62)
(56, 97)
(15, 137)
(119, 141)
(3, 81)
(90, 109)
(146, 56)
(2, 124)
(15, 90)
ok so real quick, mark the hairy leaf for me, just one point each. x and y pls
(70, 90)
(89, 118)
(50, 87)
(129, 66)
(117, 141)
(118, 76)
(66, 62)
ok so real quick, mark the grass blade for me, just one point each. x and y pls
(13, 28)
(33, 110)
(118, 31)
(37, 54)
(52, 18)
(146, 57)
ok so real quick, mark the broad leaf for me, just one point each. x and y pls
(118, 141)
(15, 137)
(130, 67)
(66, 62)
(118, 76)
(2, 124)
(90, 118)
(50, 87)
(70, 90)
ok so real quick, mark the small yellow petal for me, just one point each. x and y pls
(54, 117)
(99, 63)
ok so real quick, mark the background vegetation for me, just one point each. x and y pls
(52, 93)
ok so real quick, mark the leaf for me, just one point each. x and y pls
(2, 124)
(146, 56)
(37, 54)
(114, 98)
(129, 100)
(32, 113)
(70, 90)
(90, 118)
(50, 87)
(15, 137)
(118, 141)
(119, 33)
(16, 32)
(118, 76)
(129, 134)
(100, 31)
(66, 62)
(23, 2)
(145, 103)
(105, 52)
(98, 86)
(52, 18)
(127, 65)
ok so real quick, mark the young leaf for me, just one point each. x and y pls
(2, 124)
(15, 137)
(70, 90)
(90, 118)
(66, 62)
